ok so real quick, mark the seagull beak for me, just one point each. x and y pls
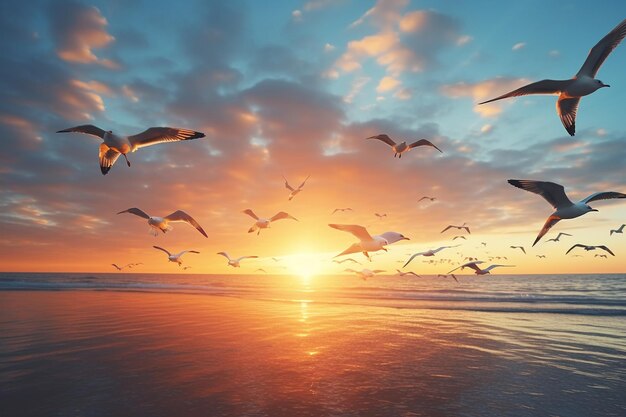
(594, 210)
(605, 85)
(405, 238)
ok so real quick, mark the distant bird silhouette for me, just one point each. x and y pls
(540, 256)
(113, 146)
(463, 226)
(426, 198)
(364, 274)
(448, 275)
(556, 239)
(477, 270)
(599, 256)
(341, 209)
(583, 83)
(380, 215)
(402, 147)
(402, 274)
(618, 230)
(519, 247)
(555, 195)
(346, 260)
(589, 247)
(262, 223)
(459, 237)
(294, 191)
(430, 252)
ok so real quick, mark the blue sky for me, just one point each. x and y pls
(293, 88)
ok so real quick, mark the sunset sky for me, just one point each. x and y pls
(293, 88)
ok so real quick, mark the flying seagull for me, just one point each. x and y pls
(583, 83)
(448, 275)
(430, 252)
(540, 256)
(367, 243)
(163, 223)
(599, 256)
(175, 257)
(346, 260)
(589, 247)
(260, 270)
(114, 145)
(459, 237)
(474, 265)
(451, 226)
(294, 191)
(555, 195)
(618, 230)
(556, 239)
(426, 198)
(235, 262)
(341, 209)
(262, 223)
(519, 247)
(364, 274)
(402, 274)
(380, 215)
(400, 148)
(119, 268)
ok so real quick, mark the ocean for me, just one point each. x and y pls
(161, 345)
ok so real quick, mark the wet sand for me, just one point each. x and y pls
(106, 353)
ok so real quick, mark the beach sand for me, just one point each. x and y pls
(107, 353)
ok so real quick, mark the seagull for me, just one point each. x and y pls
(162, 223)
(459, 237)
(186, 268)
(341, 209)
(367, 243)
(463, 226)
(583, 83)
(135, 264)
(235, 262)
(346, 260)
(426, 198)
(407, 273)
(430, 252)
(380, 215)
(260, 270)
(113, 145)
(175, 257)
(519, 247)
(556, 239)
(540, 256)
(294, 191)
(262, 223)
(448, 275)
(400, 148)
(618, 230)
(599, 256)
(555, 195)
(119, 268)
(484, 244)
(364, 274)
(476, 268)
(589, 247)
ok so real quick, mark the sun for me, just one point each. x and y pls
(304, 265)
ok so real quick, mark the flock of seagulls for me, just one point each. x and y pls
(569, 93)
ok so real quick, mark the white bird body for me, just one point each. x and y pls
(555, 195)
(162, 224)
(367, 243)
(477, 270)
(582, 84)
(113, 145)
(294, 191)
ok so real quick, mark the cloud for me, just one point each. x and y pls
(77, 31)
(482, 91)
(387, 84)
(518, 46)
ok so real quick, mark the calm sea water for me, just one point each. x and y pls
(201, 345)
(603, 294)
